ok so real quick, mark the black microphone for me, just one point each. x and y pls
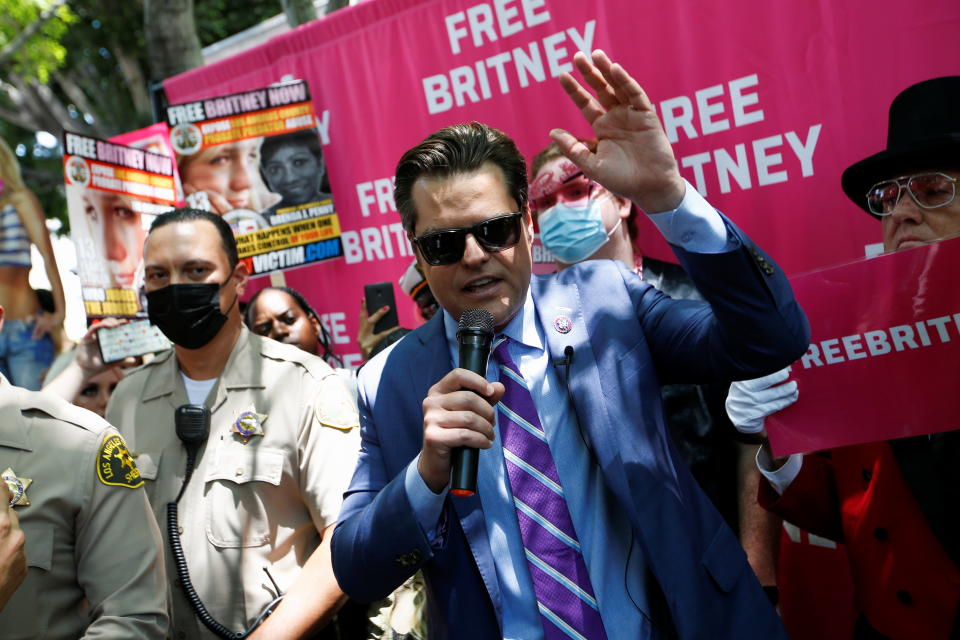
(193, 427)
(474, 335)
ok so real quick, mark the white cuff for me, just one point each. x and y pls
(694, 225)
(426, 504)
(780, 478)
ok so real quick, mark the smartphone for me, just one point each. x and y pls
(377, 295)
(132, 339)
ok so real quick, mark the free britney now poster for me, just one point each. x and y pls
(884, 357)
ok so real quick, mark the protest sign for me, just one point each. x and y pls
(113, 194)
(254, 158)
(884, 357)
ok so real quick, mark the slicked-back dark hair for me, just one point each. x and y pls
(458, 149)
(186, 214)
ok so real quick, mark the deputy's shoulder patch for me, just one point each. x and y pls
(115, 465)
(334, 407)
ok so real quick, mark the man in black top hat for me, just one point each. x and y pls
(922, 159)
(896, 504)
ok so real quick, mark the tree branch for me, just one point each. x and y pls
(80, 99)
(14, 45)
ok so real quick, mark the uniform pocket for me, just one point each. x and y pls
(235, 495)
(39, 544)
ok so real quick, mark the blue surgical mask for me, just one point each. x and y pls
(574, 233)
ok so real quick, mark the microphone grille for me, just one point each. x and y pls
(476, 319)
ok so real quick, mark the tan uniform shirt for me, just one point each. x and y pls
(251, 504)
(94, 556)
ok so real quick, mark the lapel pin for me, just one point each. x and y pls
(563, 324)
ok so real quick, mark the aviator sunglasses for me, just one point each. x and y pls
(446, 246)
(928, 190)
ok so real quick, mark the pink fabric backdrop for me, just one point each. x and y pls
(823, 75)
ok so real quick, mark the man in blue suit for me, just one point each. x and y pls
(585, 524)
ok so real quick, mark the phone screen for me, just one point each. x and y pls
(132, 339)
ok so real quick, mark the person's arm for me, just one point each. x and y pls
(310, 603)
(85, 364)
(753, 324)
(759, 528)
(799, 489)
(119, 556)
(35, 224)
(13, 559)
(387, 533)
(749, 403)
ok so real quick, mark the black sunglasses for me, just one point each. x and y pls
(493, 234)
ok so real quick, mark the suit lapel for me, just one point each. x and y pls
(555, 303)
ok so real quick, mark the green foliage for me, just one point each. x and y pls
(217, 19)
(43, 52)
(84, 43)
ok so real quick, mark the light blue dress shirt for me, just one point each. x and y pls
(614, 560)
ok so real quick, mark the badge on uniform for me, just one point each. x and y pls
(18, 488)
(248, 424)
(115, 465)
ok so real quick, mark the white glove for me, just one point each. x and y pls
(749, 402)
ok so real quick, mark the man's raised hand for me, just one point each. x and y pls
(633, 157)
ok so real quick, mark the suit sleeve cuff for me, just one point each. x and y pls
(427, 505)
(780, 478)
(694, 225)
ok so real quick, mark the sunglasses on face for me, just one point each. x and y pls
(928, 190)
(493, 234)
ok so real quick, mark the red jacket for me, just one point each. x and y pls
(906, 585)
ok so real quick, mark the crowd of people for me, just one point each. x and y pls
(245, 484)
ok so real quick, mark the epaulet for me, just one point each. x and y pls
(314, 365)
(58, 408)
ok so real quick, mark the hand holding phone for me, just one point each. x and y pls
(377, 295)
(130, 340)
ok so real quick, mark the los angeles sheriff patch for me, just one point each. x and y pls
(115, 465)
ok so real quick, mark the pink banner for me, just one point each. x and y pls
(884, 358)
(766, 102)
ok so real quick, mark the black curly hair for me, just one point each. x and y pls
(326, 348)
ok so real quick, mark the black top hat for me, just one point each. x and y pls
(924, 132)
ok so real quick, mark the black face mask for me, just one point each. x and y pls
(188, 314)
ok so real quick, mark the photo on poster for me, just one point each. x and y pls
(113, 194)
(255, 159)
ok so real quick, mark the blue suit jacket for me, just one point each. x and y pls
(628, 339)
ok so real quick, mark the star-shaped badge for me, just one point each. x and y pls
(248, 424)
(18, 488)
(126, 460)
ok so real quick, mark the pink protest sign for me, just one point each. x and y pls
(766, 104)
(884, 357)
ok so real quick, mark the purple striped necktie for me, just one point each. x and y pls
(565, 597)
